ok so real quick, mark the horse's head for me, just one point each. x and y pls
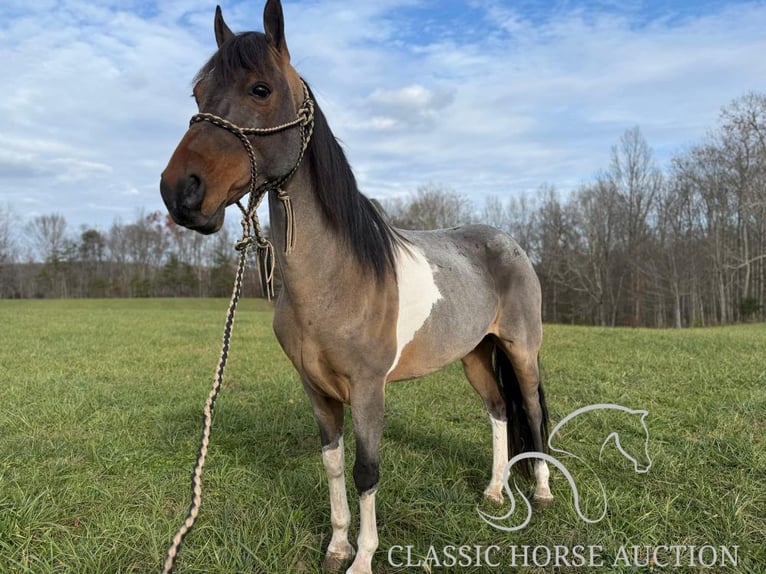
(249, 83)
(633, 443)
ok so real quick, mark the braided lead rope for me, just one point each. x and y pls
(207, 415)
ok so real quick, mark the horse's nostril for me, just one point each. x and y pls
(191, 182)
(192, 190)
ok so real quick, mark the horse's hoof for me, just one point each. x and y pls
(335, 561)
(543, 499)
(494, 495)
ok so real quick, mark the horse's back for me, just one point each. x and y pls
(479, 280)
(515, 284)
(480, 255)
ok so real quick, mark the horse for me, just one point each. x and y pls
(638, 456)
(362, 304)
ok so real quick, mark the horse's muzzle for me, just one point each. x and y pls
(184, 203)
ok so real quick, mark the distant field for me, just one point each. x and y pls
(100, 414)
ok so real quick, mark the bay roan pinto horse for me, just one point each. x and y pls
(362, 304)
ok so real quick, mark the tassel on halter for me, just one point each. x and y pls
(264, 249)
(289, 220)
(252, 234)
(265, 257)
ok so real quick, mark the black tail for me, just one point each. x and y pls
(520, 438)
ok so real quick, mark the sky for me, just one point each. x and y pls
(484, 97)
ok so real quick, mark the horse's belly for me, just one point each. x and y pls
(448, 335)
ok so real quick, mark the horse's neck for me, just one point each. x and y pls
(319, 264)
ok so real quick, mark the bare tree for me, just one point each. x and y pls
(637, 181)
(515, 217)
(676, 260)
(595, 262)
(742, 144)
(48, 236)
(52, 246)
(553, 226)
(91, 260)
(8, 253)
(189, 247)
(430, 207)
(494, 213)
(7, 242)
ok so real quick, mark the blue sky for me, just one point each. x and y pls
(482, 96)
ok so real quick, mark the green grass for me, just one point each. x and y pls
(100, 418)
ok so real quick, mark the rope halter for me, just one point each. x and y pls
(251, 226)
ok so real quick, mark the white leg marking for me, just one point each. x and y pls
(542, 489)
(340, 516)
(418, 294)
(499, 459)
(367, 542)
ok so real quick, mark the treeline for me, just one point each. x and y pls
(148, 257)
(682, 245)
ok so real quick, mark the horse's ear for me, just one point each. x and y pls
(222, 31)
(274, 26)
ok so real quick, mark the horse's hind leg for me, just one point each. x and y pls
(524, 359)
(478, 368)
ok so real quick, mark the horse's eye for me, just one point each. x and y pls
(260, 91)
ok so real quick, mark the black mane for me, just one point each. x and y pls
(246, 51)
(349, 213)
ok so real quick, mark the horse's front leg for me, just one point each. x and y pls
(367, 406)
(329, 416)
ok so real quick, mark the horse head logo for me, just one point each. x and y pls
(635, 451)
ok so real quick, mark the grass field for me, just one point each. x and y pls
(100, 414)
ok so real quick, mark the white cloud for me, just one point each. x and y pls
(95, 94)
(546, 102)
(413, 96)
(407, 108)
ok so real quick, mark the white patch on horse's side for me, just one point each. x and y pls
(542, 489)
(340, 515)
(499, 458)
(418, 294)
(367, 543)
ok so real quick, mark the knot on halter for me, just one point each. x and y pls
(251, 226)
(306, 111)
(243, 243)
